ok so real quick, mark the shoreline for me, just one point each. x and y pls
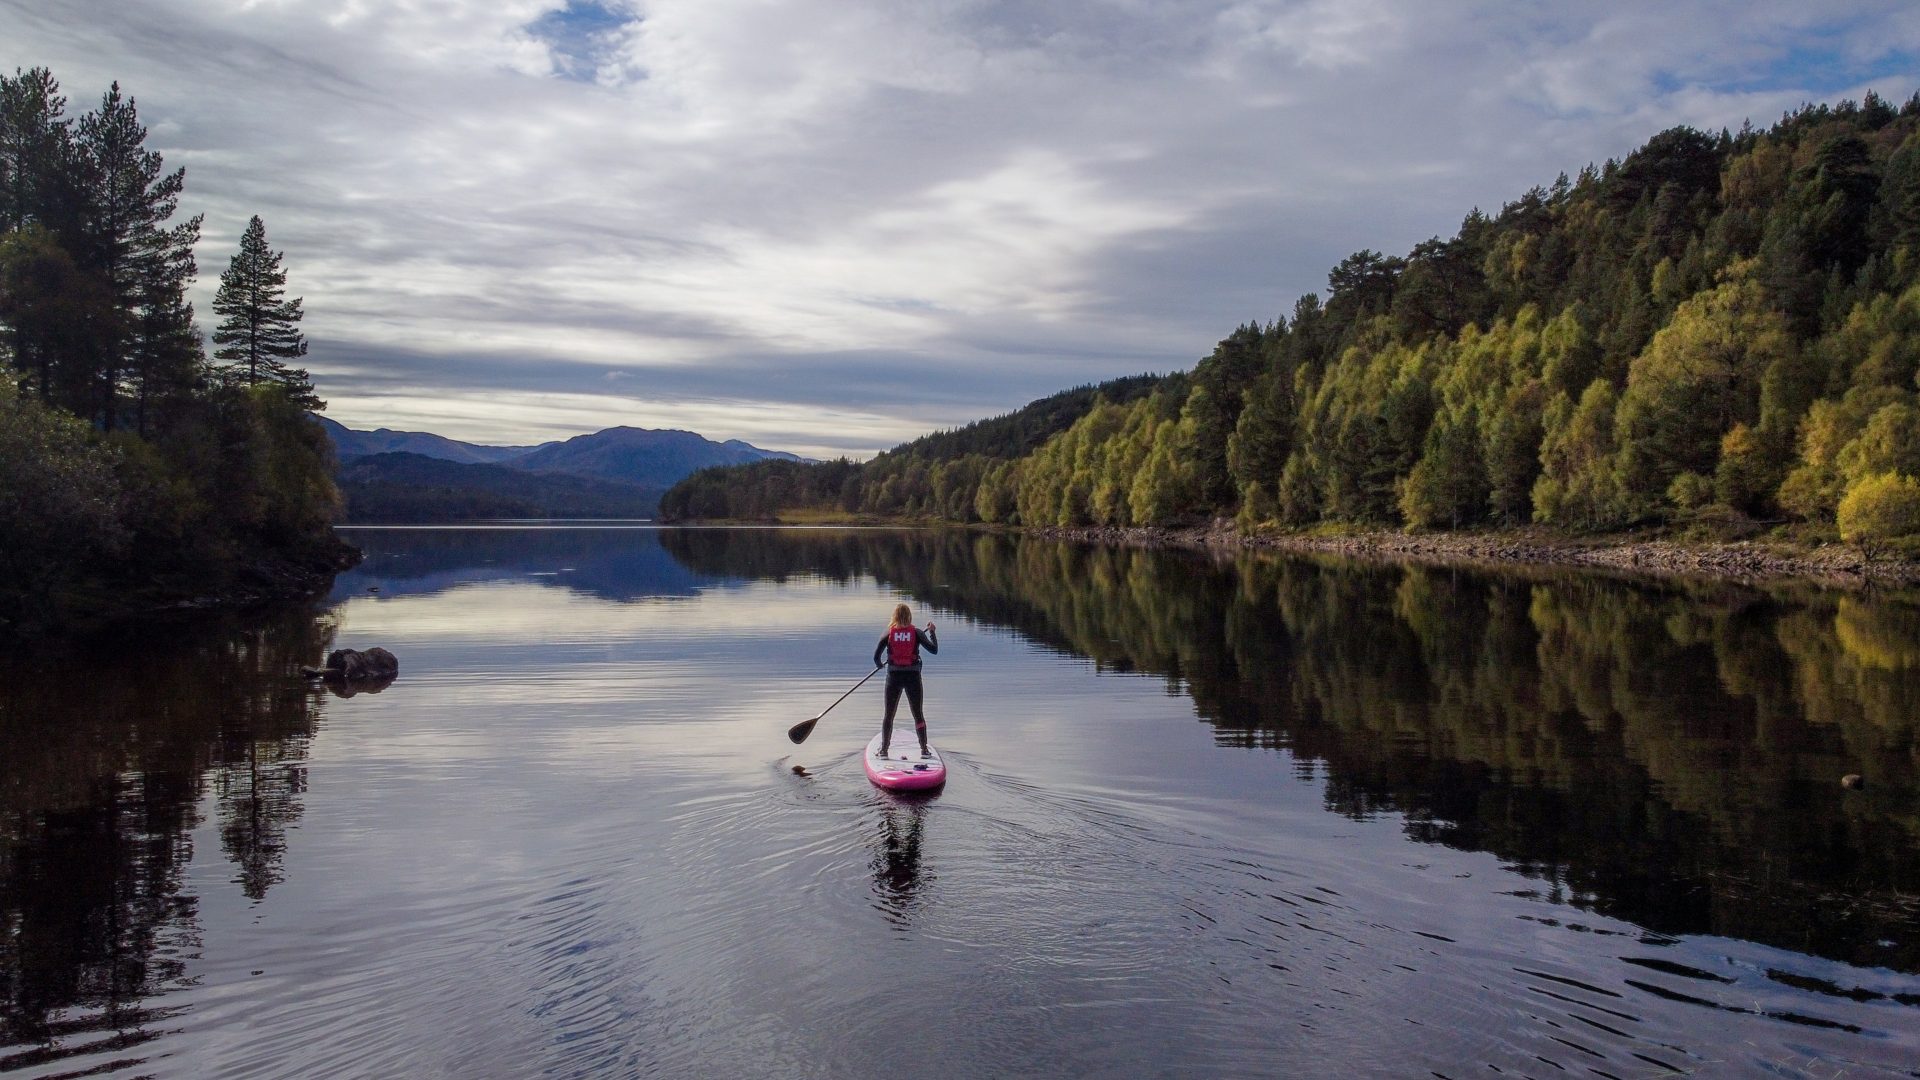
(1743, 560)
(1830, 564)
(265, 579)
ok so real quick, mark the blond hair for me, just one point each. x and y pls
(902, 615)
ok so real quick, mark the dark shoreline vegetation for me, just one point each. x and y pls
(1714, 340)
(137, 474)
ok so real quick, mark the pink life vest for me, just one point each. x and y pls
(903, 646)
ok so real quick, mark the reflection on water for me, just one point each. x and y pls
(1669, 753)
(110, 758)
(1429, 820)
(619, 564)
(897, 880)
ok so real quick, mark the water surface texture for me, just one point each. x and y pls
(1206, 816)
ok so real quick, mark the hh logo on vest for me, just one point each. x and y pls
(903, 647)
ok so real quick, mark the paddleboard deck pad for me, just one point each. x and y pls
(903, 769)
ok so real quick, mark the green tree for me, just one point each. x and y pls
(1448, 487)
(1513, 437)
(1214, 405)
(1900, 197)
(60, 504)
(1578, 488)
(1744, 478)
(1697, 379)
(995, 500)
(1263, 435)
(1163, 491)
(259, 332)
(144, 264)
(1818, 233)
(57, 316)
(35, 145)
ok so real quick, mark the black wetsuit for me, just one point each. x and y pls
(905, 678)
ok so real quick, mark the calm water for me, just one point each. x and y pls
(1206, 817)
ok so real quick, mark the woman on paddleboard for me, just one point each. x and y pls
(900, 647)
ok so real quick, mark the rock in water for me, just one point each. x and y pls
(354, 666)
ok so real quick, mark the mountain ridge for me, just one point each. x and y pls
(389, 475)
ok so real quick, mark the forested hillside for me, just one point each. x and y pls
(1718, 327)
(136, 472)
(938, 473)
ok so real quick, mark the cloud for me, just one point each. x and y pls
(844, 224)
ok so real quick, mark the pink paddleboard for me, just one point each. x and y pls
(903, 769)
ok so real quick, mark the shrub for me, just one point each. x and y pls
(1879, 508)
(1690, 491)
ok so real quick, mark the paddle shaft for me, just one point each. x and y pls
(799, 732)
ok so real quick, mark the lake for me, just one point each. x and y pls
(1207, 815)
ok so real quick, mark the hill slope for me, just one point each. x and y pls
(1022, 431)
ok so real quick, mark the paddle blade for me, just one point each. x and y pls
(799, 732)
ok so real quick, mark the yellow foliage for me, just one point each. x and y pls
(1885, 506)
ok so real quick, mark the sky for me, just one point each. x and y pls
(829, 227)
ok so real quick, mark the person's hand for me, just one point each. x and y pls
(929, 626)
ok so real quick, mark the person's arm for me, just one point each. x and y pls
(880, 650)
(928, 639)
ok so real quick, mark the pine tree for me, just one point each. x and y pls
(35, 141)
(143, 264)
(259, 329)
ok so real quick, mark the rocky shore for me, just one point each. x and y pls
(1833, 564)
(267, 578)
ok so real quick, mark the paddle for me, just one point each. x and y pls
(799, 732)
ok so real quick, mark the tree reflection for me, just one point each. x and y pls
(1667, 752)
(106, 756)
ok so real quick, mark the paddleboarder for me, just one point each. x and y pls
(900, 648)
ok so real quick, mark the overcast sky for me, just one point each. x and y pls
(827, 227)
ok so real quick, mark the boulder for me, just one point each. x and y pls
(352, 665)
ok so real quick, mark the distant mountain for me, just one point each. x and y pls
(390, 476)
(407, 487)
(349, 444)
(641, 456)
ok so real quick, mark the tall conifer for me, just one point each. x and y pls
(143, 263)
(34, 145)
(259, 330)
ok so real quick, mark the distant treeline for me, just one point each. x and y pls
(1718, 327)
(134, 470)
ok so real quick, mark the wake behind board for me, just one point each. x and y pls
(903, 769)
